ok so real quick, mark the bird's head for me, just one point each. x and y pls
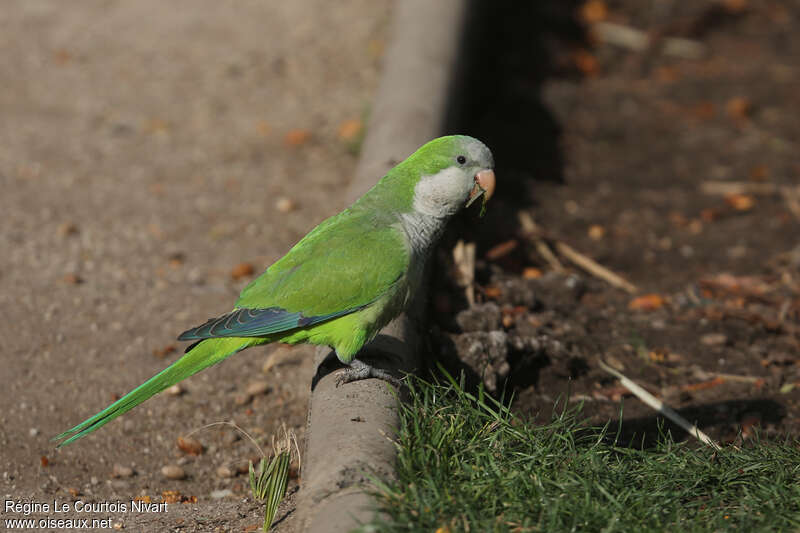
(454, 171)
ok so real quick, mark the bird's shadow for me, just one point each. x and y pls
(510, 50)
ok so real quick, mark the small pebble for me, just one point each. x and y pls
(195, 276)
(173, 472)
(190, 445)
(218, 494)
(33, 432)
(93, 480)
(350, 129)
(277, 357)
(713, 339)
(66, 229)
(175, 390)
(72, 278)
(225, 472)
(242, 399)
(242, 270)
(230, 437)
(257, 387)
(297, 137)
(122, 471)
(284, 205)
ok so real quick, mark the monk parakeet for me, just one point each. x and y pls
(345, 280)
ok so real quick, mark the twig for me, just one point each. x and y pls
(737, 377)
(790, 194)
(659, 406)
(622, 36)
(530, 228)
(639, 41)
(533, 231)
(683, 48)
(548, 255)
(738, 187)
(705, 374)
(595, 268)
(464, 260)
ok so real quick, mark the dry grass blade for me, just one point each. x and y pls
(659, 406)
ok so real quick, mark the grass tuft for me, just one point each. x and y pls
(268, 481)
(467, 463)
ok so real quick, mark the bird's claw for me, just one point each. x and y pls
(358, 371)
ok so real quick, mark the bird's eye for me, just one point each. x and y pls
(461, 159)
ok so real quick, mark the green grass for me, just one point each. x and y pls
(466, 463)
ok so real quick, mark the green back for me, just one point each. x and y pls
(345, 263)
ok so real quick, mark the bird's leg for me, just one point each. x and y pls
(358, 370)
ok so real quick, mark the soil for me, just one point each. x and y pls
(615, 152)
(154, 158)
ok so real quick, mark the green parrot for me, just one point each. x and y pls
(345, 280)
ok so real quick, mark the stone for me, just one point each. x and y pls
(173, 472)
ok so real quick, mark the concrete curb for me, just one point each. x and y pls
(350, 428)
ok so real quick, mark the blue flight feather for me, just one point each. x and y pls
(255, 323)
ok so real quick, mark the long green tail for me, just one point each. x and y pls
(203, 355)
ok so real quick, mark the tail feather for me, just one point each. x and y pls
(203, 355)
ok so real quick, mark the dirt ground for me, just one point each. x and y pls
(149, 152)
(623, 154)
(150, 155)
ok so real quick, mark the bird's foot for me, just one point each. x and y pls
(359, 370)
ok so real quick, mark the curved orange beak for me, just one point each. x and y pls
(484, 186)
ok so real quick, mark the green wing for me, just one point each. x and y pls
(343, 265)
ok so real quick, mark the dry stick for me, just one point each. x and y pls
(532, 229)
(639, 41)
(738, 187)
(595, 268)
(548, 255)
(739, 378)
(791, 195)
(464, 261)
(659, 406)
(590, 265)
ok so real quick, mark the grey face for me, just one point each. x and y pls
(447, 191)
